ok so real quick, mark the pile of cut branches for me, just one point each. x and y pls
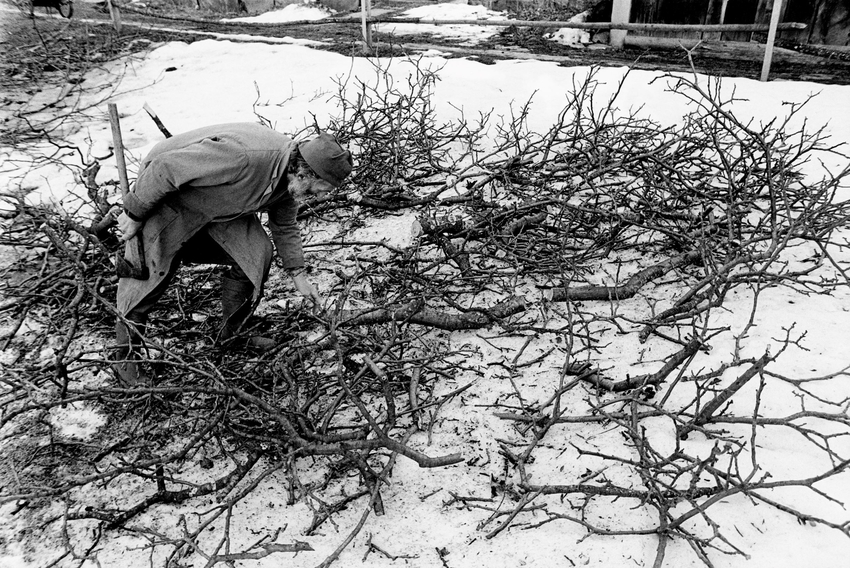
(515, 231)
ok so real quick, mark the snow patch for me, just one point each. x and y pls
(396, 231)
(79, 420)
(291, 13)
(451, 11)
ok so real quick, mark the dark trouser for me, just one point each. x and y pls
(200, 249)
(237, 291)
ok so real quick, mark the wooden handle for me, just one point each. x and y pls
(118, 147)
(134, 251)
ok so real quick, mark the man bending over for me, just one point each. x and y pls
(196, 200)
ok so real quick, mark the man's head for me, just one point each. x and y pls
(327, 158)
(303, 183)
(319, 166)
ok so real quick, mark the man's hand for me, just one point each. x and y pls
(306, 289)
(127, 227)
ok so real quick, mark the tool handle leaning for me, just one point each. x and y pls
(118, 146)
(134, 251)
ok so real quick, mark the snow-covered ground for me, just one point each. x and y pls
(207, 82)
(289, 13)
(470, 34)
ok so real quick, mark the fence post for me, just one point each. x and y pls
(775, 13)
(723, 11)
(620, 13)
(115, 15)
(366, 13)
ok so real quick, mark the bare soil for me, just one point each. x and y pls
(49, 48)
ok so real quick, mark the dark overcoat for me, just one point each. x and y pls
(218, 178)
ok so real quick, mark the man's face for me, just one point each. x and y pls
(303, 186)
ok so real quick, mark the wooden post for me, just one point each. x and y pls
(722, 21)
(620, 13)
(134, 250)
(723, 11)
(115, 15)
(366, 13)
(775, 14)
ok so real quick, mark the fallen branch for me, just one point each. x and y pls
(705, 415)
(627, 290)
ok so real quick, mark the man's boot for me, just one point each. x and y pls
(236, 305)
(128, 349)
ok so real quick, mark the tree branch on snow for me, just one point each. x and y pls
(718, 204)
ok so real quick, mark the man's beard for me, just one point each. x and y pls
(298, 190)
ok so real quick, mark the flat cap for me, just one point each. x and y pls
(327, 158)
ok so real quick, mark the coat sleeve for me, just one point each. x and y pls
(209, 162)
(286, 233)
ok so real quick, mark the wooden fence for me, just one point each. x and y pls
(619, 26)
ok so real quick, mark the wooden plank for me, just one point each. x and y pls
(723, 50)
(572, 25)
